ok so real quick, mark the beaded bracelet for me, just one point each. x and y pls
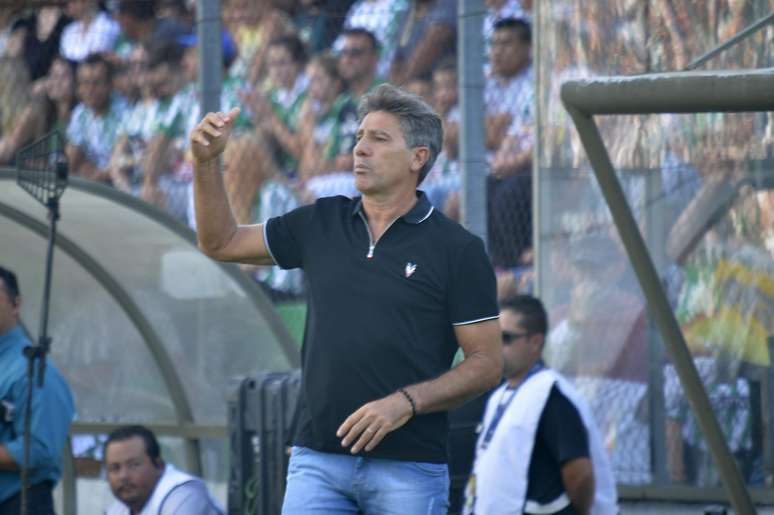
(411, 401)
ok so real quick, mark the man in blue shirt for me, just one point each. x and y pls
(52, 412)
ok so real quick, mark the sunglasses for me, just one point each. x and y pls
(509, 337)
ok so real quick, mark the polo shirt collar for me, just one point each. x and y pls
(417, 214)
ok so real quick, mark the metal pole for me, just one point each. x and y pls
(654, 230)
(470, 62)
(744, 34)
(768, 414)
(208, 32)
(658, 303)
(540, 190)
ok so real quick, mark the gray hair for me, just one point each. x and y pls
(419, 123)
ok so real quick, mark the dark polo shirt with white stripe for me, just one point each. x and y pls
(381, 315)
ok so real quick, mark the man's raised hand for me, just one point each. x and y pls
(209, 137)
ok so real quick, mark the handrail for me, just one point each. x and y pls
(733, 40)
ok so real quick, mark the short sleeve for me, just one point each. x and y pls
(473, 289)
(285, 235)
(562, 429)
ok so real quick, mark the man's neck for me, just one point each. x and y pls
(383, 210)
(505, 79)
(518, 378)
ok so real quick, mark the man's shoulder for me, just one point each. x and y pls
(324, 209)
(451, 231)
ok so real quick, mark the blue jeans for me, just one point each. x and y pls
(336, 483)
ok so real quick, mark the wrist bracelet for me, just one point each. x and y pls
(411, 401)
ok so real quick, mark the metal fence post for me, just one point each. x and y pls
(208, 32)
(470, 56)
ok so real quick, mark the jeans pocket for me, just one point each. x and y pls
(431, 469)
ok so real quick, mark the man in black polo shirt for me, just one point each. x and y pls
(394, 288)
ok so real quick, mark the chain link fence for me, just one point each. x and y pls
(700, 187)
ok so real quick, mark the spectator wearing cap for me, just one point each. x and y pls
(140, 26)
(94, 123)
(358, 61)
(91, 31)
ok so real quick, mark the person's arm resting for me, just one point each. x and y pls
(218, 235)
(479, 371)
(578, 480)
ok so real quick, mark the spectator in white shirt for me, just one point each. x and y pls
(93, 31)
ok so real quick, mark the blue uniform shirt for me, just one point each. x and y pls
(52, 412)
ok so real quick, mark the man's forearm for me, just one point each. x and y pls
(476, 374)
(6, 460)
(578, 481)
(215, 224)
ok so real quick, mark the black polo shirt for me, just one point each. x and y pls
(380, 316)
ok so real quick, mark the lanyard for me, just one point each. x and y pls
(503, 406)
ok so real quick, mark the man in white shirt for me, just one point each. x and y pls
(92, 31)
(539, 450)
(143, 484)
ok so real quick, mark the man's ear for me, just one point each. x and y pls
(419, 157)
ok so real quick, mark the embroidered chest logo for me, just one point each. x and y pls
(410, 268)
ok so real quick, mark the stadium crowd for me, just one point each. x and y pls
(120, 82)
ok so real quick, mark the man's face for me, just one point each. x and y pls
(383, 161)
(281, 67)
(130, 472)
(94, 86)
(163, 80)
(9, 309)
(520, 348)
(508, 54)
(357, 58)
(322, 87)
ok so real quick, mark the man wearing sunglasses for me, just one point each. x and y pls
(538, 450)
